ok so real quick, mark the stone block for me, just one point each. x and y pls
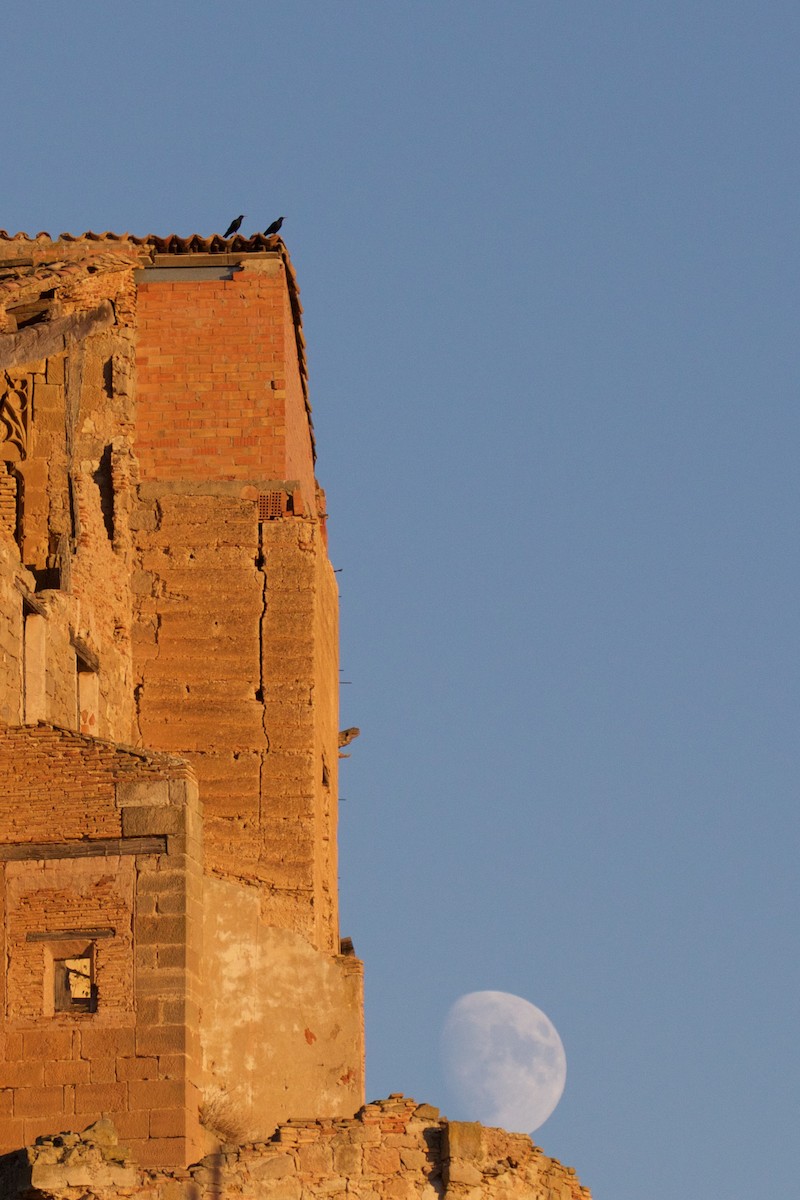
(287, 1188)
(94, 1175)
(167, 1123)
(28, 1073)
(348, 1159)
(315, 1159)
(160, 1152)
(277, 1166)
(107, 1043)
(47, 1044)
(102, 1070)
(144, 821)
(137, 1068)
(385, 1160)
(413, 1160)
(162, 1039)
(38, 1101)
(161, 931)
(459, 1171)
(149, 792)
(426, 1112)
(462, 1139)
(153, 1094)
(100, 1097)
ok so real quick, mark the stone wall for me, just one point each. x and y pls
(66, 475)
(392, 1150)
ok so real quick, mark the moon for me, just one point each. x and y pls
(503, 1060)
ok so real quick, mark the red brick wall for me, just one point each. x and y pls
(44, 794)
(136, 1057)
(218, 383)
(299, 460)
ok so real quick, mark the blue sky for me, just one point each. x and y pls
(548, 256)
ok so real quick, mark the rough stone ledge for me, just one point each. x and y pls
(238, 489)
(393, 1149)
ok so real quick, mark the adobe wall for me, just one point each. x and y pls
(392, 1150)
(100, 867)
(237, 670)
(236, 665)
(65, 492)
(260, 977)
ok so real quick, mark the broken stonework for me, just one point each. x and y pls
(411, 1155)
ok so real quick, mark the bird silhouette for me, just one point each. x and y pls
(234, 225)
(274, 227)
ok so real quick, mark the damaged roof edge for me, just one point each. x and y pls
(195, 244)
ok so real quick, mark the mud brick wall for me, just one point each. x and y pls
(299, 782)
(11, 632)
(199, 601)
(8, 503)
(219, 388)
(70, 484)
(237, 670)
(392, 1150)
(100, 855)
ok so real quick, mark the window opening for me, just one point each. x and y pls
(74, 987)
(88, 692)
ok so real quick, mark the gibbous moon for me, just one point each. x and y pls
(503, 1060)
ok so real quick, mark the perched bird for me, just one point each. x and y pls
(274, 227)
(234, 226)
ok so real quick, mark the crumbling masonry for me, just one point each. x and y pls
(169, 743)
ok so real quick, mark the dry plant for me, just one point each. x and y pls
(222, 1117)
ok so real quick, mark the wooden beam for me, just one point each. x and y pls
(52, 337)
(62, 935)
(97, 848)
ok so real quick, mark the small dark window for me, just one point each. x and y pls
(75, 988)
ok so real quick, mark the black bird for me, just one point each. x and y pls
(234, 226)
(274, 227)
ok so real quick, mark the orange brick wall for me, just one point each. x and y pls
(77, 560)
(236, 658)
(44, 794)
(137, 1057)
(219, 392)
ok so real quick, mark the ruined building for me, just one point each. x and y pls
(168, 700)
(169, 938)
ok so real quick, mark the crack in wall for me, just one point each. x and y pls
(261, 565)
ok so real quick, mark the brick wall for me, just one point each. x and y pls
(219, 389)
(237, 669)
(105, 866)
(11, 652)
(168, 495)
(72, 545)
